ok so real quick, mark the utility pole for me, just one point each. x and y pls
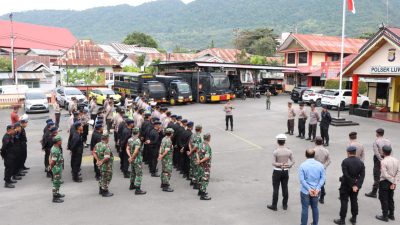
(14, 74)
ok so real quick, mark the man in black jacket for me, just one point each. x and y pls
(47, 143)
(126, 134)
(24, 124)
(144, 131)
(324, 125)
(152, 140)
(185, 140)
(8, 156)
(351, 182)
(96, 138)
(117, 136)
(76, 148)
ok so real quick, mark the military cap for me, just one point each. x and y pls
(353, 133)
(9, 127)
(77, 124)
(207, 136)
(157, 123)
(17, 124)
(178, 117)
(190, 124)
(135, 130)
(387, 148)
(198, 126)
(281, 137)
(155, 119)
(99, 125)
(184, 121)
(49, 120)
(324, 106)
(57, 138)
(53, 129)
(129, 121)
(147, 114)
(169, 131)
(173, 116)
(105, 135)
(351, 149)
(51, 123)
(380, 131)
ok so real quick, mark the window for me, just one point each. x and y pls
(303, 57)
(291, 58)
(290, 80)
(335, 57)
(347, 93)
(32, 83)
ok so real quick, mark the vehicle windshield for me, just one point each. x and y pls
(221, 82)
(183, 87)
(108, 92)
(73, 92)
(156, 88)
(36, 95)
(308, 92)
(332, 93)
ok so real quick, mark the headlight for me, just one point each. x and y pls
(190, 96)
(180, 97)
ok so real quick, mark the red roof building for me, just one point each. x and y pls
(316, 57)
(29, 36)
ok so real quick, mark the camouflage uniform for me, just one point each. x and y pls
(104, 151)
(137, 164)
(57, 157)
(204, 168)
(166, 143)
(196, 141)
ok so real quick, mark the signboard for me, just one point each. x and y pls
(385, 70)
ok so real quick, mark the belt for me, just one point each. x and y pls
(280, 169)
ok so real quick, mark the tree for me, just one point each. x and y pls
(258, 60)
(140, 60)
(87, 77)
(366, 35)
(260, 41)
(242, 57)
(142, 39)
(334, 84)
(5, 64)
(211, 45)
(362, 87)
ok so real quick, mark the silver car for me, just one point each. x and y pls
(36, 101)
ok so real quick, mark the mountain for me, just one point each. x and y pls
(196, 24)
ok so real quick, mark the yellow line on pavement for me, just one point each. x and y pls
(242, 139)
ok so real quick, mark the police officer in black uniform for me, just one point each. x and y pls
(324, 124)
(47, 144)
(126, 134)
(173, 125)
(117, 138)
(185, 139)
(24, 124)
(18, 146)
(8, 156)
(76, 148)
(351, 182)
(144, 131)
(96, 138)
(152, 140)
(46, 128)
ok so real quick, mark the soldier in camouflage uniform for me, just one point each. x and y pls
(204, 163)
(195, 142)
(166, 159)
(56, 163)
(135, 158)
(105, 164)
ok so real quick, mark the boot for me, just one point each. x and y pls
(11, 181)
(163, 185)
(204, 196)
(57, 200)
(196, 186)
(353, 220)
(199, 193)
(308, 139)
(339, 221)
(106, 193)
(321, 200)
(168, 189)
(132, 187)
(48, 175)
(191, 183)
(272, 207)
(382, 218)
(139, 191)
(391, 217)
(58, 195)
(9, 185)
(372, 194)
(127, 175)
(77, 179)
(26, 168)
(16, 177)
(100, 191)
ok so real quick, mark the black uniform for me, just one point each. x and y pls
(353, 175)
(174, 126)
(178, 143)
(18, 145)
(154, 138)
(24, 145)
(144, 131)
(324, 125)
(47, 143)
(185, 161)
(76, 154)
(126, 134)
(9, 155)
(96, 138)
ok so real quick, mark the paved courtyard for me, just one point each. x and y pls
(241, 176)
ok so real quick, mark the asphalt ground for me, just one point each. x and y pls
(241, 176)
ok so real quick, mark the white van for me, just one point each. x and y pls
(36, 101)
(12, 89)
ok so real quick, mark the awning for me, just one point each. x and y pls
(5, 76)
(31, 76)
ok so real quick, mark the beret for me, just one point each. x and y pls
(351, 149)
(387, 148)
(57, 138)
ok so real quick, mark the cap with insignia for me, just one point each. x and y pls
(173, 116)
(77, 124)
(387, 148)
(57, 138)
(351, 149)
(178, 117)
(169, 131)
(281, 137)
(53, 129)
(51, 123)
(147, 114)
(184, 121)
(157, 123)
(190, 124)
(49, 120)
(135, 130)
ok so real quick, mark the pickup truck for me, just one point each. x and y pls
(335, 98)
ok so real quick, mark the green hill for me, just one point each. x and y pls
(194, 25)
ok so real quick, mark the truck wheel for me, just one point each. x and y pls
(172, 101)
(202, 99)
(365, 105)
(318, 103)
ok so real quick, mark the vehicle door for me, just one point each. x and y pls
(347, 97)
(173, 91)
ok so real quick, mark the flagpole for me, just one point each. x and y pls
(342, 52)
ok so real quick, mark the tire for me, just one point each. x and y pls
(318, 103)
(203, 99)
(365, 105)
(329, 106)
(244, 97)
(295, 101)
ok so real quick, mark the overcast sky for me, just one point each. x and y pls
(8, 6)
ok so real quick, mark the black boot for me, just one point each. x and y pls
(272, 207)
(321, 200)
(382, 218)
(372, 194)
(339, 221)
(167, 189)
(132, 187)
(9, 185)
(199, 193)
(139, 191)
(106, 193)
(204, 196)
(353, 220)
(16, 178)
(391, 216)
(100, 191)
(191, 183)
(196, 186)
(127, 175)
(57, 199)
(58, 195)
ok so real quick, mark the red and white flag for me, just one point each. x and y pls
(351, 6)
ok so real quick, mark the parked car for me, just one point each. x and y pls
(101, 95)
(335, 98)
(313, 96)
(36, 101)
(65, 94)
(297, 93)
